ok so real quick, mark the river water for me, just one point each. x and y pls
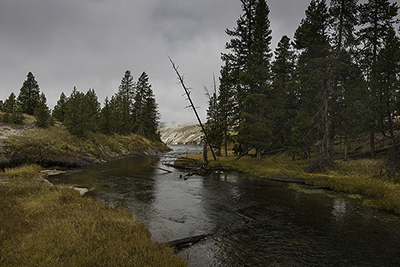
(256, 222)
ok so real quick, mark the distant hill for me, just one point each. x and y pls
(181, 134)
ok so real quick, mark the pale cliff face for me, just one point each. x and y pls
(181, 134)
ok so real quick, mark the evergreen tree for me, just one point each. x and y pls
(250, 62)
(107, 121)
(17, 116)
(312, 39)
(125, 97)
(283, 83)
(10, 103)
(226, 105)
(376, 18)
(60, 108)
(213, 126)
(12, 110)
(42, 112)
(91, 111)
(74, 117)
(145, 111)
(348, 94)
(28, 97)
(388, 84)
(239, 47)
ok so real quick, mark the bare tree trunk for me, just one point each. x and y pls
(226, 144)
(325, 145)
(340, 146)
(258, 152)
(372, 144)
(345, 148)
(205, 158)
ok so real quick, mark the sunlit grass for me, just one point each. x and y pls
(24, 171)
(52, 226)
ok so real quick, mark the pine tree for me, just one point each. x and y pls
(28, 97)
(122, 122)
(145, 111)
(283, 83)
(60, 108)
(12, 110)
(312, 39)
(17, 116)
(348, 90)
(213, 126)
(107, 121)
(250, 61)
(125, 97)
(42, 112)
(227, 104)
(91, 111)
(74, 117)
(239, 47)
(388, 82)
(376, 18)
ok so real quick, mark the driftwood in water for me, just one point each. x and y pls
(168, 171)
(185, 242)
(188, 241)
(197, 169)
(286, 179)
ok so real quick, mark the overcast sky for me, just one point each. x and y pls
(90, 44)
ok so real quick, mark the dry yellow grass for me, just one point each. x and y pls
(361, 177)
(44, 225)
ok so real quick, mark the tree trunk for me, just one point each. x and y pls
(345, 148)
(325, 145)
(226, 144)
(372, 144)
(205, 158)
(258, 152)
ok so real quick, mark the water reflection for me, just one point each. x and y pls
(339, 210)
(257, 222)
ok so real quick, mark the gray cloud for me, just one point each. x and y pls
(90, 44)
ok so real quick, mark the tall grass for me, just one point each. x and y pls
(24, 171)
(51, 226)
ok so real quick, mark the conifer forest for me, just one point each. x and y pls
(337, 78)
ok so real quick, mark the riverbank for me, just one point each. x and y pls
(359, 178)
(46, 225)
(55, 146)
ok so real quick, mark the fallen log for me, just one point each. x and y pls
(245, 217)
(286, 180)
(168, 171)
(185, 242)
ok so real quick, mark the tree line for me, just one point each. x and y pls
(132, 109)
(340, 75)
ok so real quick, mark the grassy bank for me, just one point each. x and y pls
(55, 145)
(43, 225)
(361, 177)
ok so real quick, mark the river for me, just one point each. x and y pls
(257, 222)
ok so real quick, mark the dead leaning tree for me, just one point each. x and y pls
(192, 106)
